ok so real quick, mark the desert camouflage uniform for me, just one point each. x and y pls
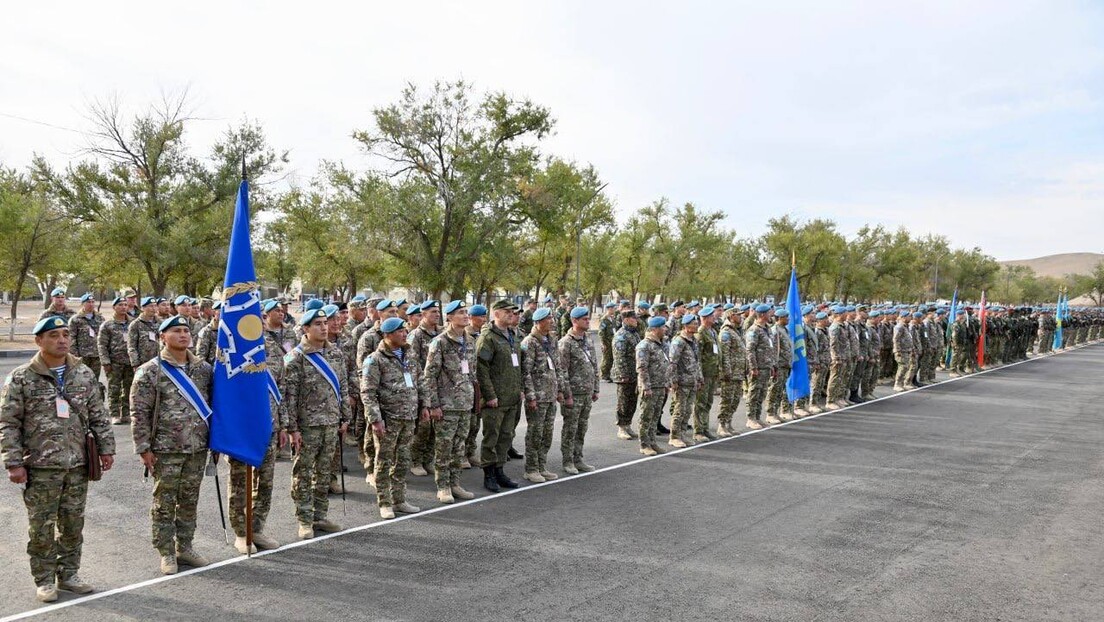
(762, 356)
(449, 384)
(543, 384)
(580, 376)
(111, 344)
(653, 368)
(391, 390)
(142, 343)
(733, 369)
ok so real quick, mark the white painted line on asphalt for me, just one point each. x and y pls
(398, 519)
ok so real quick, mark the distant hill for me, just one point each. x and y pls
(1060, 265)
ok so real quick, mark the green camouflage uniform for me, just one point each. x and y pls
(449, 384)
(606, 330)
(777, 402)
(653, 368)
(425, 432)
(623, 372)
(499, 373)
(541, 378)
(84, 330)
(391, 390)
(762, 357)
(686, 378)
(580, 374)
(111, 344)
(206, 342)
(733, 369)
(709, 352)
(903, 347)
(142, 343)
(839, 349)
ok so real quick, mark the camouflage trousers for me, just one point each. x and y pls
(777, 402)
(422, 447)
(261, 489)
(393, 461)
(540, 423)
(857, 375)
(473, 433)
(704, 403)
(93, 363)
(837, 381)
(606, 366)
(576, 421)
(928, 364)
(730, 397)
(176, 482)
(682, 408)
(820, 389)
(651, 409)
(448, 447)
(118, 391)
(756, 392)
(806, 402)
(498, 433)
(871, 374)
(889, 366)
(311, 472)
(906, 368)
(626, 402)
(958, 359)
(358, 428)
(369, 449)
(55, 515)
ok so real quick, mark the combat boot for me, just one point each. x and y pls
(583, 467)
(700, 438)
(75, 585)
(648, 451)
(326, 525)
(47, 593)
(722, 432)
(240, 546)
(548, 475)
(386, 513)
(753, 424)
(489, 480)
(677, 442)
(306, 531)
(503, 480)
(418, 470)
(772, 420)
(534, 477)
(444, 495)
(407, 508)
(624, 433)
(458, 492)
(168, 564)
(815, 410)
(263, 542)
(189, 557)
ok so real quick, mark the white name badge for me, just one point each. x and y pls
(715, 350)
(287, 346)
(550, 365)
(152, 337)
(91, 333)
(409, 379)
(514, 359)
(62, 407)
(463, 367)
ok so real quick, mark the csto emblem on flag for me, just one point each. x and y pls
(240, 346)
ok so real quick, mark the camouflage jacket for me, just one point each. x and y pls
(733, 353)
(206, 342)
(783, 346)
(274, 362)
(111, 343)
(309, 399)
(919, 337)
(902, 339)
(653, 365)
(391, 387)
(541, 374)
(823, 343)
(525, 324)
(499, 369)
(352, 380)
(580, 367)
(447, 384)
(31, 433)
(709, 350)
(685, 366)
(864, 340)
(812, 344)
(874, 334)
(606, 330)
(624, 355)
(419, 339)
(935, 335)
(839, 342)
(66, 313)
(83, 330)
(367, 344)
(359, 330)
(142, 343)
(856, 352)
(761, 353)
(279, 343)
(180, 429)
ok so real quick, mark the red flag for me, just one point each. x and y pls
(981, 341)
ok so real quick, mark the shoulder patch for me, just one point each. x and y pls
(726, 336)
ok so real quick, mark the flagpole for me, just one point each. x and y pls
(249, 509)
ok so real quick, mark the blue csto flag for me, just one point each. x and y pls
(797, 386)
(241, 425)
(1059, 314)
(950, 323)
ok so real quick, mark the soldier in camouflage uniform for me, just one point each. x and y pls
(170, 430)
(279, 340)
(762, 357)
(391, 390)
(542, 382)
(111, 343)
(903, 353)
(579, 366)
(858, 326)
(874, 355)
(709, 353)
(624, 373)
(733, 368)
(779, 408)
(336, 317)
(934, 333)
(839, 349)
(819, 380)
(207, 335)
(855, 353)
(478, 316)
(142, 343)
(316, 402)
(84, 329)
(812, 357)
(366, 345)
(653, 367)
(57, 306)
(1047, 326)
(525, 322)
(45, 451)
(607, 327)
(449, 390)
(419, 338)
(499, 373)
(686, 378)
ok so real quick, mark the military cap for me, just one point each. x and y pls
(205, 303)
(128, 293)
(400, 302)
(391, 325)
(579, 312)
(270, 305)
(454, 306)
(549, 299)
(850, 308)
(160, 300)
(358, 302)
(610, 305)
(917, 314)
(728, 306)
(49, 323)
(807, 309)
(676, 304)
(541, 313)
(693, 304)
(838, 309)
(413, 310)
(58, 291)
(903, 313)
(429, 304)
(628, 313)
(313, 303)
(656, 322)
(477, 310)
(341, 305)
(862, 308)
(941, 312)
(781, 313)
(181, 299)
(87, 297)
(763, 308)
(118, 300)
(821, 315)
(384, 304)
(623, 302)
(707, 311)
(173, 322)
(659, 307)
(330, 310)
(744, 307)
(875, 313)
(500, 304)
(311, 316)
(373, 301)
(148, 300)
(689, 318)
(643, 304)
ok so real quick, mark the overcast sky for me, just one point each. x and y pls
(982, 121)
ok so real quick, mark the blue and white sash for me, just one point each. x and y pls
(327, 372)
(188, 390)
(273, 388)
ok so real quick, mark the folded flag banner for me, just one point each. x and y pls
(797, 386)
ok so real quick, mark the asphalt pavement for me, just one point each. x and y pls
(976, 499)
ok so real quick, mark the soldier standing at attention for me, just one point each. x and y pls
(499, 373)
(903, 353)
(207, 336)
(652, 369)
(580, 374)
(316, 402)
(169, 411)
(819, 381)
(733, 368)
(142, 343)
(801, 406)
(709, 351)
(762, 358)
(57, 306)
(84, 329)
(624, 373)
(778, 406)
(606, 330)
(389, 388)
(47, 407)
(111, 344)
(839, 349)
(542, 382)
(874, 358)
(686, 378)
(419, 338)
(449, 391)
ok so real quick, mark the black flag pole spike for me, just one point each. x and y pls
(243, 166)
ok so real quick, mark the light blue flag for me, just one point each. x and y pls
(950, 323)
(241, 425)
(1059, 313)
(797, 386)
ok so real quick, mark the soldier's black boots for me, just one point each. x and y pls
(513, 454)
(502, 480)
(661, 429)
(490, 482)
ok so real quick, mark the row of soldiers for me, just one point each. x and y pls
(411, 385)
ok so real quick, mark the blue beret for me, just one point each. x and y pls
(728, 306)
(49, 323)
(454, 306)
(384, 304)
(821, 315)
(693, 304)
(477, 310)
(745, 307)
(359, 298)
(689, 318)
(707, 311)
(544, 312)
(781, 313)
(807, 309)
(270, 305)
(400, 302)
(181, 299)
(579, 312)
(311, 315)
(656, 322)
(58, 291)
(903, 313)
(875, 313)
(549, 299)
(391, 325)
(838, 309)
(87, 297)
(850, 308)
(173, 322)
(610, 305)
(118, 300)
(643, 305)
(330, 310)
(917, 314)
(148, 300)
(429, 304)
(763, 308)
(941, 312)
(413, 310)
(313, 303)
